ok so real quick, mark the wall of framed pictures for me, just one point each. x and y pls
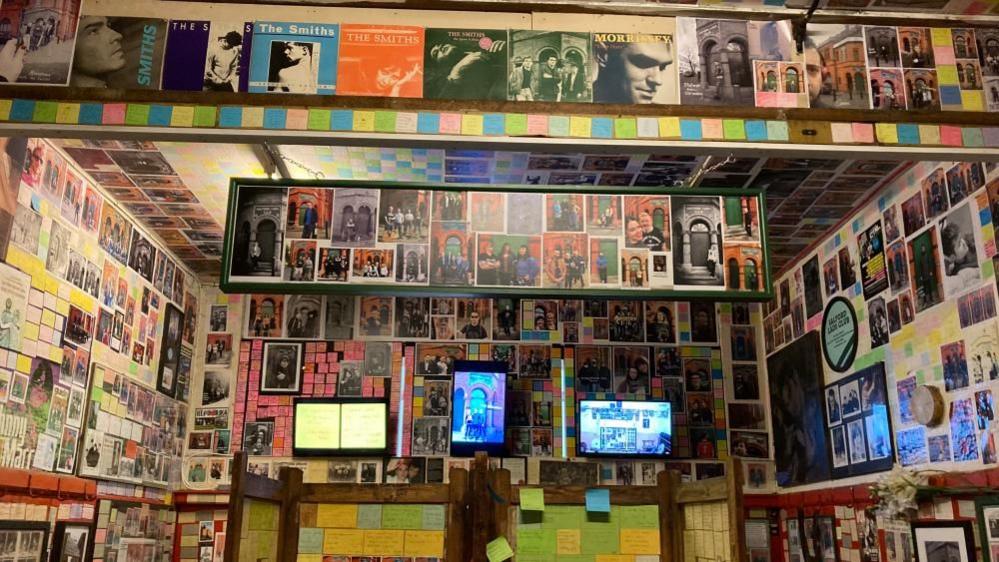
(315, 237)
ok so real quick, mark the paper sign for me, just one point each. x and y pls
(344, 541)
(338, 515)
(499, 550)
(567, 541)
(384, 543)
(425, 543)
(532, 499)
(402, 516)
(639, 541)
(598, 500)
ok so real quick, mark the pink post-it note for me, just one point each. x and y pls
(450, 123)
(950, 135)
(863, 133)
(537, 125)
(297, 119)
(114, 114)
(712, 129)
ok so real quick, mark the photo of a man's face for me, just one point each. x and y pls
(98, 50)
(638, 70)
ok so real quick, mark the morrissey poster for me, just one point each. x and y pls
(42, 33)
(635, 68)
(119, 53)
(295, 58)
(465, 64)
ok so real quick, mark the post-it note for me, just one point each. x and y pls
(598, 500)
(532, 499)
(498, 550)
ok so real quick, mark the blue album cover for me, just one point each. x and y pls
(298, 58)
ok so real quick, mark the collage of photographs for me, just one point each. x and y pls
(389, 236)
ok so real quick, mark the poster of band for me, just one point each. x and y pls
(323, 236)
(859, 424)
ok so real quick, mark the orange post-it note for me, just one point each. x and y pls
(639, 541)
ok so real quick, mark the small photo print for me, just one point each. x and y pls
(349, 381)
(218, 320)
(376, 316)
(534, 360)
(355, 217)
(858, 445)
(635, 268)
(215, 389)
(333, 265)
(300, 260)
(282, 368)
(378, 359)
(833, 414)
(342, 471)
(412, 264)
(412, 317)
(631, 370)
(218, 350)
(849, 398)
(259, 438)
(840, 458)
(605, 266)
(376, 265)
(304, 313)
(436, 397)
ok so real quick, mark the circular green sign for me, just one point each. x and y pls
(839, 334)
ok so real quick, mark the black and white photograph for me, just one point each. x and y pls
(342, 472)
(411, 264)
(465, 64)
(349, 381)
(119, 53)
(339, 317)
(858, 445)
(258, 242)
(436, 397)
(216, 388)
(377, 359)
(549, 66)
(303, 315)
(412, 317)
(258, 438)
(218, 317)
(355, 217)
(60, 242)
(697, 242)
(71, 543)
(839, 455)
(563, 473)
(849, 399)
(991, 517)
(961, 269)
(141, 256)
(944, 541)
(703, 322)
(431, 436)
(833, 414)
(42, 42)
(877, 315)
(635, 68)
(282, 368)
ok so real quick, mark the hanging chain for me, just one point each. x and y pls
(316, 174)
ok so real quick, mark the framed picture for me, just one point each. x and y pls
(858, 424)
(987, 508)
(944, 541)
(173, 326)
(282, 372)
(24, 540)
(71, 542)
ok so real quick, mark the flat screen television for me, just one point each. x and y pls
(624, 428)
(329, 427)
(478, 407)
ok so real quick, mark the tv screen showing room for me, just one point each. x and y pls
(479, 399)
(623, 428)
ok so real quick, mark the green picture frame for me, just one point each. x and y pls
(989, 534)
(230, 283)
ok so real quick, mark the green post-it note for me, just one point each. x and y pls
(625, 128)
(573, 558)
(385, 121)
(734, 129)
(310, 541)
(532, 499)
(516, 124)
(319, 120)
(535, 558)
(369, 516)
(499, 550)
(45, 112)
(599, 541)
(434, 517)
(639, 517)
(563, 517)
(137, 114)
(204, 116)
(402, 516)
(536, 541)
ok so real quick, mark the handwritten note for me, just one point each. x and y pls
(369, 516)
(384, 543)
(310, 541)
(402, 516)
(338, 515)
(639, 541)
(567, 541)
(344, 541)
(536, 541)
(433, 517)
(425, 543)
(532, 499)
(499, 550)
(598, 500)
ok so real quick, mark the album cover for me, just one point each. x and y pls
(43, 34)
(465, 64)
(119, 53)
(837, 67)
(636, 68)
(873, 270)
(549, 66)
(297, 58)
(380, 60)
(697, 252)
(219, 44)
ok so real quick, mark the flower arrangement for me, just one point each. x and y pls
(896, 492)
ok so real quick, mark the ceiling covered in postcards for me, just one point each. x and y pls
(179, 190)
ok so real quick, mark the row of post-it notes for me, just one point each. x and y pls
(597, 500)
(371, 542)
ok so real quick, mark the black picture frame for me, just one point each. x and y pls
(19, 527)
(985, 531)
(59, 538)
(968, 534)
(169, 365)
(294, 387)
(272, 282)
(871, 416)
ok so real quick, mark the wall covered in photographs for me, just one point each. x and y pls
(917, 266)
(318, 237)
(80, 286)
(133, 531)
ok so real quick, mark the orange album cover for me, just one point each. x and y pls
(381, 60)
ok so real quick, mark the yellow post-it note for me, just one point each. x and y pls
(337, 515)
(941, 36)
(567, 541)
(614, 558)
(498, 550)
(532, 499)
(580, 126)
(639, 541)
(669, 127)
(472, 124)
(68, 113)
(972, 100)
(425, 543)
(182, 116)
(310, 558)
(343, 541)
(929, 134)
(364, 121)
(384, 543)
(887, 133)
(947, 75)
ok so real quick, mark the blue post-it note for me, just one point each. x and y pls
(598, 500)
(690, 129)
(343, 120)
(428, 123)
(494, 124)
(908, 133)
(275, 117)
(231, 116)
(602, 128)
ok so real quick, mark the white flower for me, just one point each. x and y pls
(896, 490)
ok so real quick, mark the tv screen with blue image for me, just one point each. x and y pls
(623, 428)
(478, 399)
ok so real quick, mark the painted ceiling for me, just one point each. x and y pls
(179, 190)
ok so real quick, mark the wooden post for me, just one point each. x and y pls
(676, 518)
(499, 479)
(736, 515)
(458, 537)
(666, 517)
(234, 526)
(482, 513)
(290, 514)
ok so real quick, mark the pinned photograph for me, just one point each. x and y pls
(355, 217)
(534, 360)
(308, 214)
(472, 319)
(506, 321)
(925, 269)
(378, 359)
(508, 260)
(258, 438)
(339, 317)
(833, 82)
(304, 316)
(960, 259)
(405, 215)
(218, 350)
(373, 266)
(452, 254)
(215, 388)
(631, 370)
(412, 317)
(282, 365)
(349, 380)
(333, 265)
(257, 247)
(660, 324)
(299, 260)
(375, 316)
(525, 213)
